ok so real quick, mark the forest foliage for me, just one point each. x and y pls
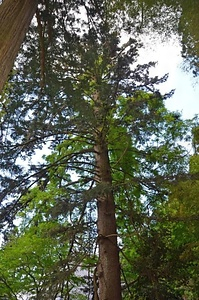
(77, 87)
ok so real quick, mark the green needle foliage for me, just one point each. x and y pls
(79, 89)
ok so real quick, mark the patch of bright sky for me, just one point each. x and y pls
(169, 60)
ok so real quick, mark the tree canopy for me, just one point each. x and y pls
(148, 15)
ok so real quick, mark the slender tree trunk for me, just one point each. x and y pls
(15, 18)
(108, 270)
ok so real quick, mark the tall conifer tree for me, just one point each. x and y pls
(80, 92)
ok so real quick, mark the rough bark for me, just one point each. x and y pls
(15, 18)
(108, 270)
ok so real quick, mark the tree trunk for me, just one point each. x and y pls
(15, 18)
(108, 270)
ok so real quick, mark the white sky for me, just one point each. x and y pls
(168, 56)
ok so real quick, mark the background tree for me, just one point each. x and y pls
(43, 252)
(166, 18)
